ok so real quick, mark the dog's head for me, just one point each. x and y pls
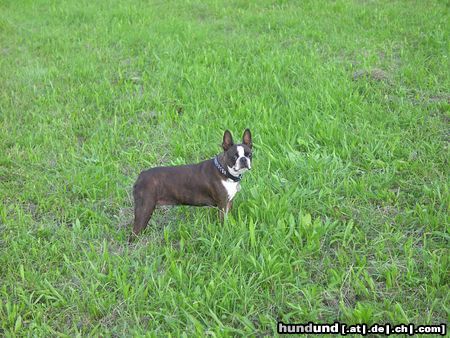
(237, 157)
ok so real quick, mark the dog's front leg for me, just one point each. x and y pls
(224, 208)
(221, 214)
(229, 205)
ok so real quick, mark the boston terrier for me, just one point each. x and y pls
(213, 182)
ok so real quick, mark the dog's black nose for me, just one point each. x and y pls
(243, 161)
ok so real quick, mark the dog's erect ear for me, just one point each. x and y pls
(227, 140)
(247, 138)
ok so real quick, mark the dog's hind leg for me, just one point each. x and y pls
(144, 205)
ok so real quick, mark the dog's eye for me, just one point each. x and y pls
(235, 157)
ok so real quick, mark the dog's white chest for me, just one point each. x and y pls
(231, 187)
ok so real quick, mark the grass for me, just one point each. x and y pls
(344, 217)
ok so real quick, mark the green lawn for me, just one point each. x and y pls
(345, 215)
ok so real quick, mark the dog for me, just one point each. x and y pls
(212, 183)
